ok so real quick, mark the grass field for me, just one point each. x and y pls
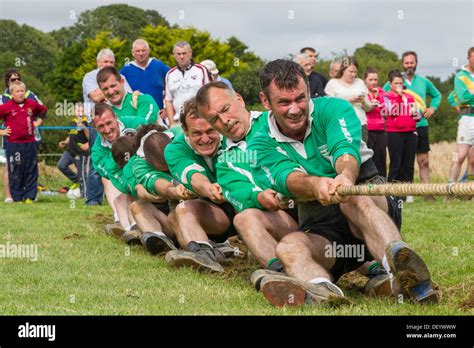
(81, 271)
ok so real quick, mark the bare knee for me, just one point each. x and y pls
(423, 160)
(357, 203)
(244, 219)
(290, 244)
(136, 207)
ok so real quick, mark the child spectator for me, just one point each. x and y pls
(77, 152)
(21, 150)
(377, 140)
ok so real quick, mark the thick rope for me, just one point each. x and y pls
(408, 189)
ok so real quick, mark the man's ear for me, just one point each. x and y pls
(264, 100)
(240, 99)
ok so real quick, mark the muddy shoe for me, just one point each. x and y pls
(280, 290)
(157, 243)
(226, 249)
(203, 258)
(115, 230)
(325, 293)
(411, 277)
(132, 237)
(378, 286)
(259, 274)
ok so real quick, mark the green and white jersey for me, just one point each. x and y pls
(463, 85)
(333, 131)
(146, 175)
(124, 179)
(420, 87)
(101, 153)
(183, 161)
(234, 165)
(145, 107)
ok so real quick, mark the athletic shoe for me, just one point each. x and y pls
(259, 274)
(201, 257)
(74, 186)
(132, 237)
(115, 230)
(280, 290)
(411, 277)
(156, 243)
(378, 286)
(226, 249)
(9, 200)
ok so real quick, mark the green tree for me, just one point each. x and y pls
(27, 49)
(378, 57)
(122, 20)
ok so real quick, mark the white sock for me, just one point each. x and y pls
(116, 219)
(320, 280)
(386, 266)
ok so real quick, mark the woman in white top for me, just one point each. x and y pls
(348, 86)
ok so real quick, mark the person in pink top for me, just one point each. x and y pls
(377, 140)
(401, 118)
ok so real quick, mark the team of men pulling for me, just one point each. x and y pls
(268, 177)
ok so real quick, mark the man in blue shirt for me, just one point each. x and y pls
(145, 74)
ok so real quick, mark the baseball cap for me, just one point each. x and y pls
(211, 66)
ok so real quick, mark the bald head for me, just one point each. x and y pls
(141, 52)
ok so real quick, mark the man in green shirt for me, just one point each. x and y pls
(464, 91)
(192, 159)
(112, 84)
(260, 221)
(155, 189)
(110, 128)
(420, 88)
(308, 149)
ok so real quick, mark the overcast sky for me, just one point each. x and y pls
(439, 30)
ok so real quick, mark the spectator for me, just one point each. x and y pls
(334, 68)
(77, 152)
(13, 75)
(375, 121)
(183, 81)
(311, 54)
(420, 88)
(146, 74)
(402, 115)
(21, 150)
(316, 82)
(90, 89)
(92, 94)
(214, 72)
(348, 86)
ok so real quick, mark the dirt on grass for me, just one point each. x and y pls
(101, 219)
(468, 304)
